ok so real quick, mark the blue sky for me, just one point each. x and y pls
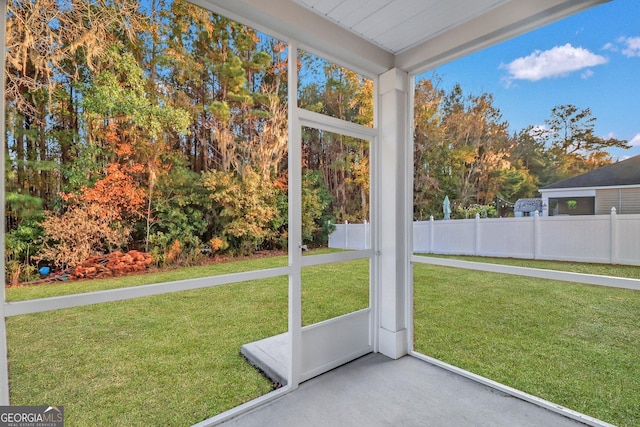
(590, 60)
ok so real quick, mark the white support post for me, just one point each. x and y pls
(4, 360)
(295, 224)
(395, 235)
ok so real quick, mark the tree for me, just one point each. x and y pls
(432, 176)
(514, 183)
(116, 197)
(478, 138)
(50, 48)
(120, 114)
(181, 205)
(222, 73)
(460, 147)
(244, 207)
(570, 139)
(571, 131)
(23, 232)
(316, 215)
(342, 161)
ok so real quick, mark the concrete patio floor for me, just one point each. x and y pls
(377, 391)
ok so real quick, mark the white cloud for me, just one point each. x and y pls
(556, 62)
(631, 46)
(628, 46)
(587, 73)
(635, 141)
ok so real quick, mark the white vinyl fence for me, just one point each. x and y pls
(613, 239)
(351, 236)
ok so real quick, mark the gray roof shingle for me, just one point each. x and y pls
(626, 172)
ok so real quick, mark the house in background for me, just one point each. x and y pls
(596, 192)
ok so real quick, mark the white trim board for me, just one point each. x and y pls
(588, 279)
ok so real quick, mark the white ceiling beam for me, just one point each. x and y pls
(502, 23)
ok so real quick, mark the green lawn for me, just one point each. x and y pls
(164, 360)
(332, 290)
(173, 360)
(572, 344)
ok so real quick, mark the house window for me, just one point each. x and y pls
(572, 206)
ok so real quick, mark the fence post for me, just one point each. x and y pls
(346, 234)
(536, 235)
(430, 234)
(613, 235)
(365, 243)
(477, 242)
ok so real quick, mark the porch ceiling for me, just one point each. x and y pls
(374, 36)
(397, 25)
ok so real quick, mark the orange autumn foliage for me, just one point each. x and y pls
(116, 196)
(95, 220)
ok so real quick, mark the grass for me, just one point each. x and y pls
(168, 360)
(332, 290)
(165, 360)
(572, 344)
(173, 359)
